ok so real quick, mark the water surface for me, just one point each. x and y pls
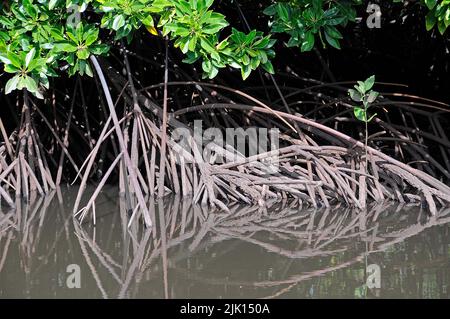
(283, 251)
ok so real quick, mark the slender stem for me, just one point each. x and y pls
(367, 135)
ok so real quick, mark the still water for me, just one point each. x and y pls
(283, 251)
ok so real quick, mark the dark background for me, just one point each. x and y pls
(401, 51)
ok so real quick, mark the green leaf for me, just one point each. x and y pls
(119, 22)
(30, 8)
(361, 87)
(99, 49)
(72, 37)
(81, 66)
(368, 84)
(91, 37)
(15, 60)
(11, 85)
(360, 113)
(192, 57)
(430, 3)
(271, 10)
(372, 96)
(79, 32)
(65, 47)
(430, 20)
(193, 44)
(9, 68)
(268, 67)
(209, 48)
(333, 32)
(83, 54)
(30, 84)
(282, 11)
(148, 21)
(30, 56)
(308, 42)
(355, 95)
(89, 70)
(442, 27)
(184, 45)
(44, 81)
(38, 94)
(4, 59)
(213, 72)
(52, 4)
(212, 28)
(245, 71)
(332, 41)
(206, 66)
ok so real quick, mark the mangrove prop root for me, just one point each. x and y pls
(315, 163)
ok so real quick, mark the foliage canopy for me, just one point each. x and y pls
(42, 38)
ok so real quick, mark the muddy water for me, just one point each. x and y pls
(283, 251)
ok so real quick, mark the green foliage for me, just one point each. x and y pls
(77, 45)
(307, 21)
(245, 52)
(28, 70)
(36, 42)
(312, 22)
(195, 30)
(125, 16)
(61, 35)
(364, 94)
(38, 38)
(439, 14)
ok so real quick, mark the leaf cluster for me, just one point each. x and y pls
(309, 21)
(364, 94)
(42, 38)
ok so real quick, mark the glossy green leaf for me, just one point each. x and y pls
(308, 42)
(30, 84)
(11, 85)
(359, 113)
(368, 84)
(29, 57)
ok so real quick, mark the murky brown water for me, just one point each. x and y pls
(192, 252)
